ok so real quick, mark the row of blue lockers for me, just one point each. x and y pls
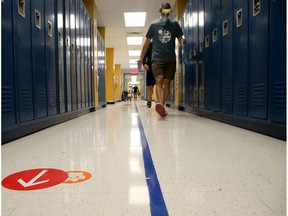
(234, 61)
(46, 60)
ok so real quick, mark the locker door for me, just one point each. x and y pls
(23, 59)
(60, 54)
(91, 63)
(277, 66)
(67, 56)
(208, 53)
(216, 54)
(201, 53)
(194, 52)
(227, 56)
(38, 57)
(7, 67)
(82, 8)
(240, 56)
(78, 54)
(258, 57)
(86, 57)
(50, 30)
(73, 53)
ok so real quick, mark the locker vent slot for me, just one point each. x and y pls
(37, 19)
(196, 94)
(52, 98)
(7, 101)
(279, 95)
(62, 97)
(216, 96)
(256, 7)
(60, 38)
(241, 95)
(225, 27)
(214, 35)
(26, 99)
(239, 19)
(41, 98)
(207, 41)
(50, 29)
(258, 95)
(227, 93)
(21, 8)
(201, 94)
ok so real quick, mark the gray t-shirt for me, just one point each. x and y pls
(163, 35)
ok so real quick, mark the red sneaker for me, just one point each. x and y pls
(160, 109)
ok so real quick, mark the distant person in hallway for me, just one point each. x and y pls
(163, 32)
(135, 92)
(150, 81)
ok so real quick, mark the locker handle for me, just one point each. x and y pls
(67, 42)
(21, 8)
(50, 28)
(256, 7)
(214, 35)
(37, 19)
(195, 51)
(207, 41)
(239, 18)
(59, 36)
(73, 47)
(78, 50)
(201, 46)
(225, 27)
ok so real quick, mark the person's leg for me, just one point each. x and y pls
(166, 89)
(159, 89)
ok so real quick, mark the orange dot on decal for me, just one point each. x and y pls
(77, 176)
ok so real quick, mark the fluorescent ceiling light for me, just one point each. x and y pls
(134, 40)
(133, 66)
(134, 52)
(134, 19)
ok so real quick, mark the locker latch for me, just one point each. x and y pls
(201, 46)
(21, 7)
(256, 7)
(50, 29)
(195, 51)
(214, 35)
(225, 27)
(59, 36)
(239, 18)
(37, 19)
(207, 41)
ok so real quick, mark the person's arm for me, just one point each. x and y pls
(181, 40)
(143, 52)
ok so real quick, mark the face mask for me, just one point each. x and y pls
(164, 18)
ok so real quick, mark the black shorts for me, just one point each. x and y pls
(150, 81)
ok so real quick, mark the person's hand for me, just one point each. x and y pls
(139, 62)
(146, 67)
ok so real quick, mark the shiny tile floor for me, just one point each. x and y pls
(126, 160)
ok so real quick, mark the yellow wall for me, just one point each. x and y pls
(118, 82)
(110, 73)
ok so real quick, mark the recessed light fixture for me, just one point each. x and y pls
(134, 40)
(135, 19)
(133, 66)
(133, 61)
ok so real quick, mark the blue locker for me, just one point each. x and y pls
(240, 57)
(82, 9)
(208, 53)
(85, 17)
(8, 103)
(23, 60)
(258, 58)
(277, 61)
(201, 42)
(194, 53)
(50, 35)
(216, 55)
(78, 54)
(60, 41)
(38, 58)
(91, 64)
(227, 56)
(67, 56)
(73, 53)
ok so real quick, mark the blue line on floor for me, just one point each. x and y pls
(157, 203)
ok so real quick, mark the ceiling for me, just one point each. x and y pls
(110, 14)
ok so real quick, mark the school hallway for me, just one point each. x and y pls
(126, 160)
